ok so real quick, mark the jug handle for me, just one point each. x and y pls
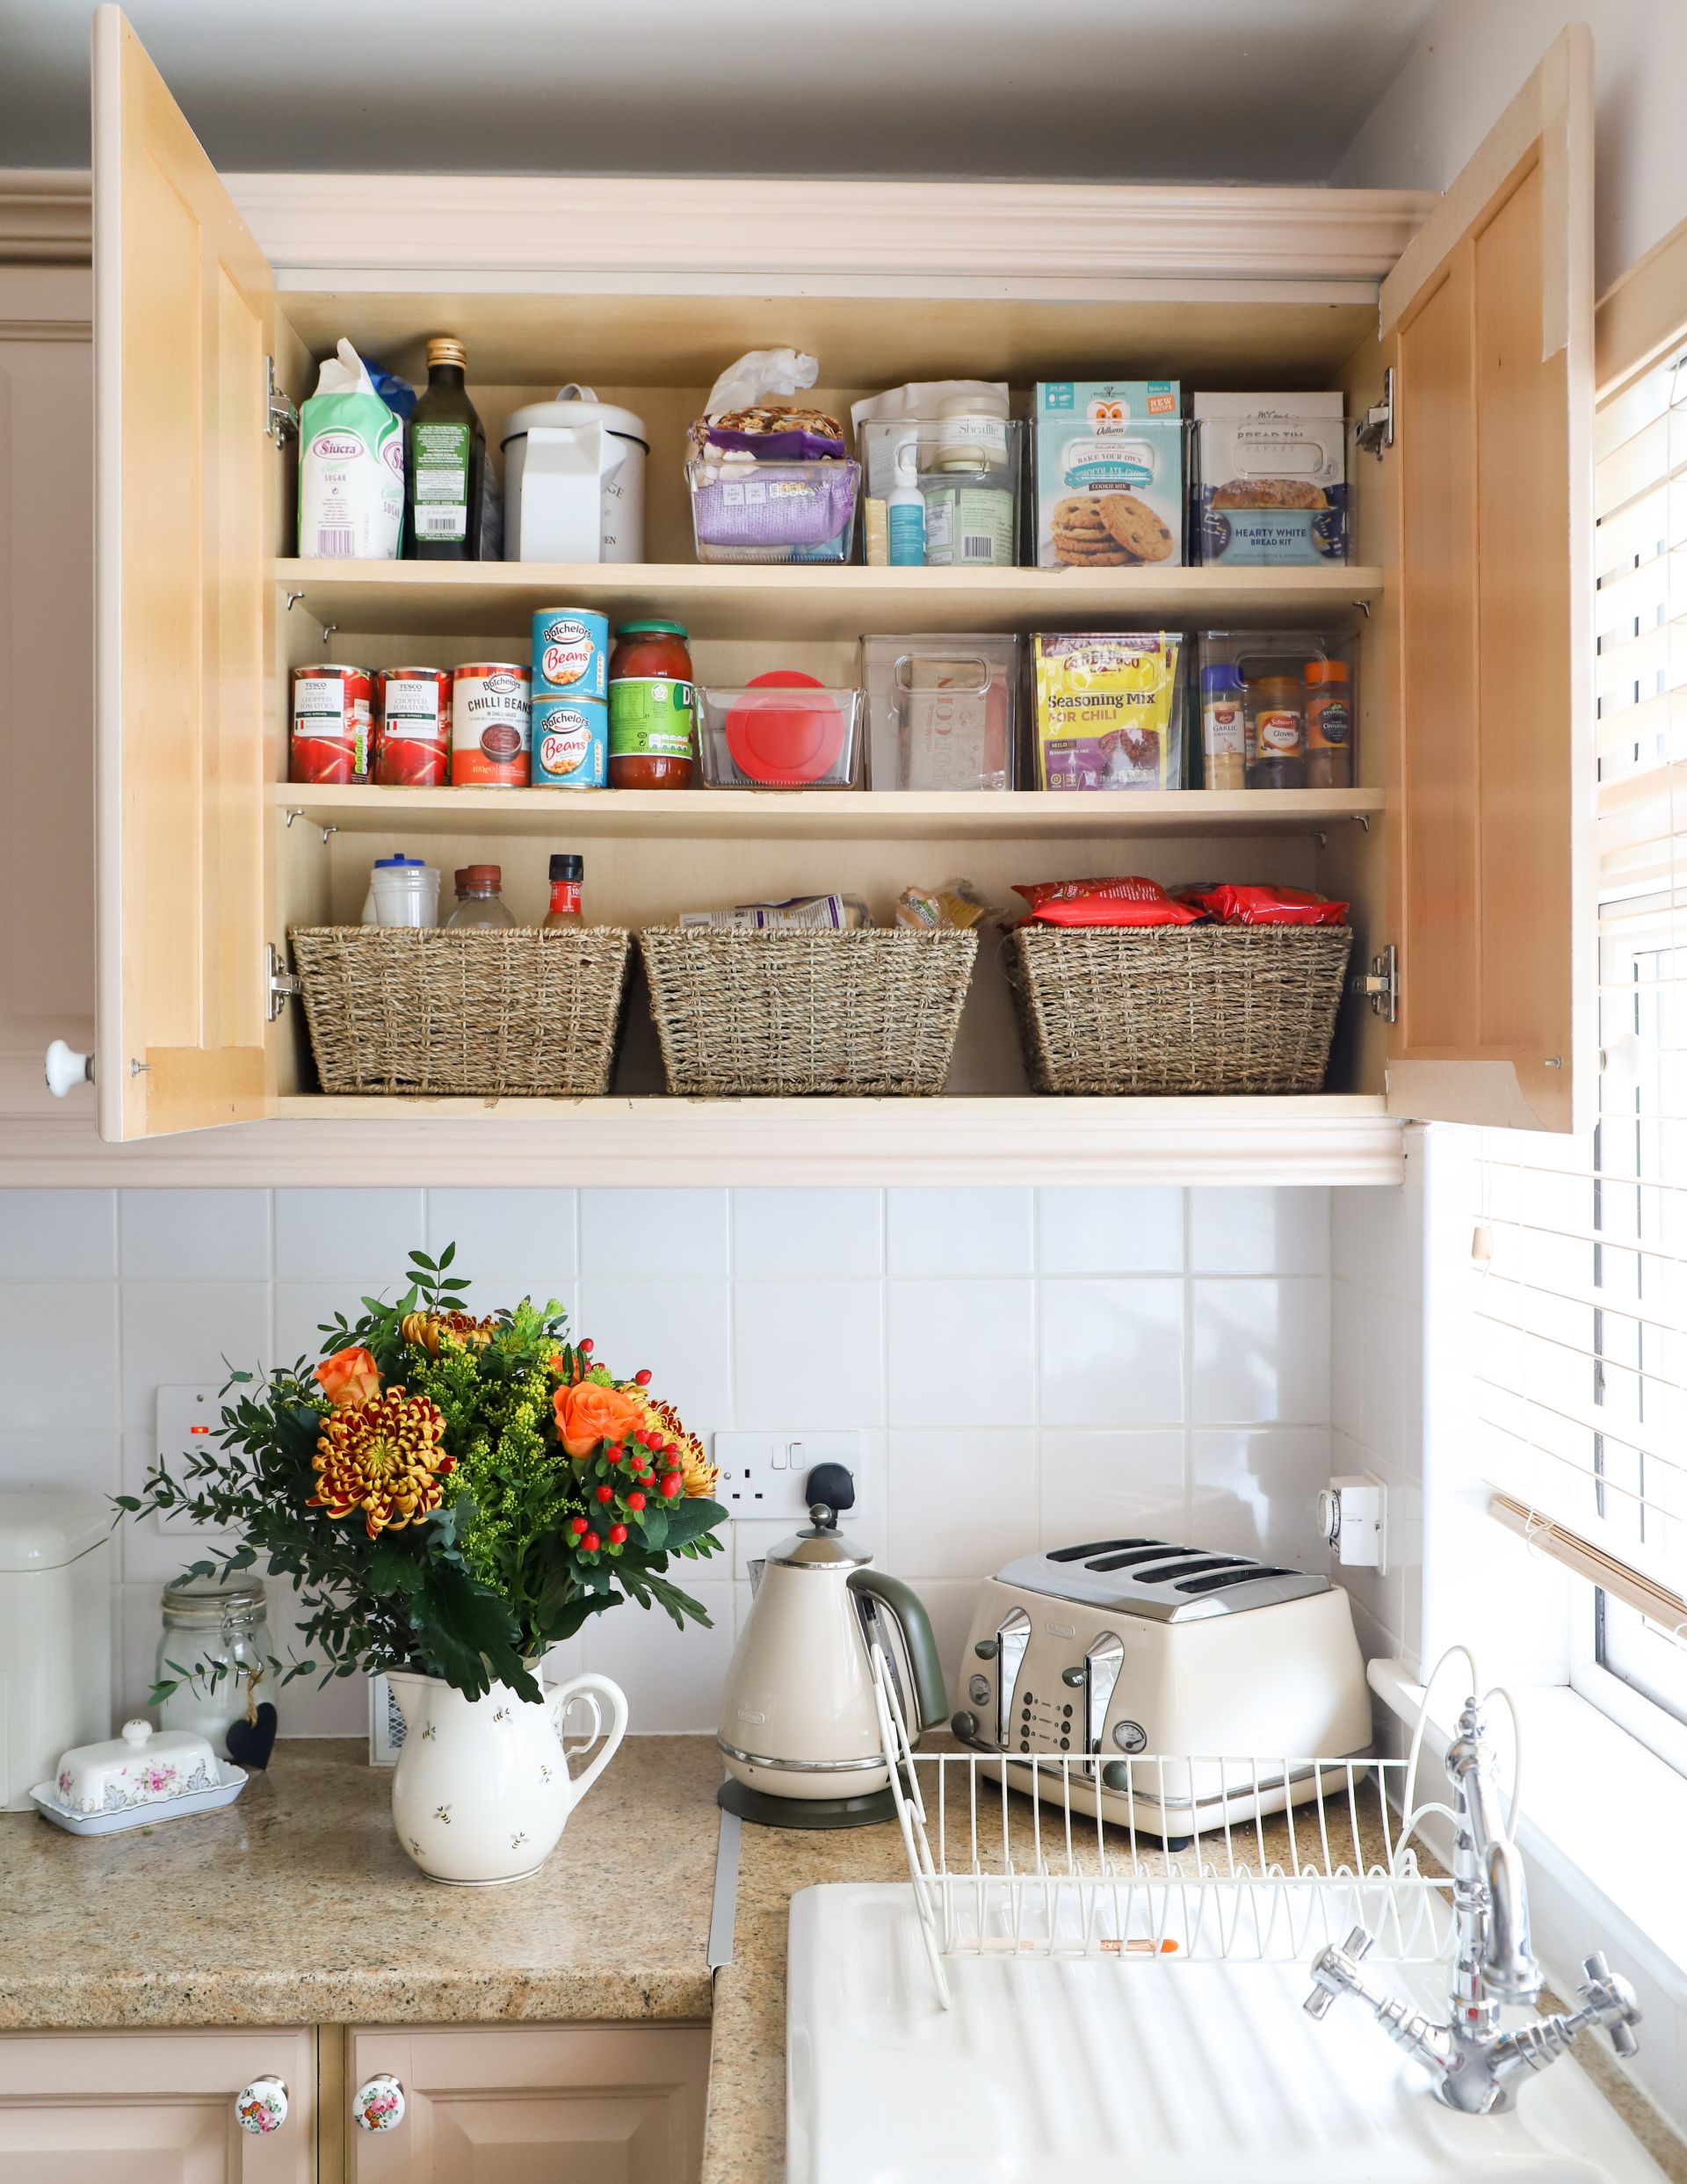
(558, 1700)
(905, 1604)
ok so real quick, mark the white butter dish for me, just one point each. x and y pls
(136, 1780)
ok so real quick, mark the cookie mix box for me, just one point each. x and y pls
(1109, 466)
(1110, 710)
(1270, 487)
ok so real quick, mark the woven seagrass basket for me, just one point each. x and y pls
(778, 1014)
(495, 1014)
(1177, 1008)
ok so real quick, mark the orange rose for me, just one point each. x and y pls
(350, 1377)
(588, 1413)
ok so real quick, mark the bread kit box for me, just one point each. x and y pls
(1109, 462)
(1270, 487)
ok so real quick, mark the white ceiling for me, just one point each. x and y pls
(1257, 91)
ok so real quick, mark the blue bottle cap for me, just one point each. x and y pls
(1220, 681)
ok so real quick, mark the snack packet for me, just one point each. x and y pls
(740, 419)
(825, 913)
(954, 907)
(1233, 905)
(1132, 901)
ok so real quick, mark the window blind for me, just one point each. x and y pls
(1582, 1247)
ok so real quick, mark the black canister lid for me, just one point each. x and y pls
(566, 866)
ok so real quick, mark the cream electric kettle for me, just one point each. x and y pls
(798, 1722)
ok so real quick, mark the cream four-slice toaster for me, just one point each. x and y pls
(1185, 1688)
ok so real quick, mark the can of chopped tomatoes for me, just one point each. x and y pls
(332, 719)
(413, 740)
(491, 725)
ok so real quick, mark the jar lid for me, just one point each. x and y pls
(484, 875)
(1221, 677)
(1325, 670)
(566, 866)
(390, 864)
(446, 349)
(665, 630)
(204, 1596)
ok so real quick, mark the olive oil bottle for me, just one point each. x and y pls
(445, 462)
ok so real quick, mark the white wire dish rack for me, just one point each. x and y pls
(1283, 1855)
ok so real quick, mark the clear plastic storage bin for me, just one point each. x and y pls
(744, 510)
(1278, 709)
(942, 711)
(948, 490)
(1269, 489)
(779, 736)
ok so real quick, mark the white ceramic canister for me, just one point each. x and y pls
(574, 480)
(482, 1791)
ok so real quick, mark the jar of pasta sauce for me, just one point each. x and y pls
(652, 707)
(331, 719)
(413, 744)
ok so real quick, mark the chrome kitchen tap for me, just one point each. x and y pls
(1475, 2064)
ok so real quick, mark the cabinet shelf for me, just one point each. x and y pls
(494, 598)
(828, 814)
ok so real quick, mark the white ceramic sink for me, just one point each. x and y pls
(1132, 2071)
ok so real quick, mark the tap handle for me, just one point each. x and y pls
(1608, 1999)
(1360, 1943)
(1336, 1971)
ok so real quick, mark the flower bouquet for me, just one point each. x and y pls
(452, 1496)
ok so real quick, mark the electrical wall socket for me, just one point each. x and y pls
(766, 1475)
(188, 1418)
(1353, 1512)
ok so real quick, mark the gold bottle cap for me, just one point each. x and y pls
(446, 349)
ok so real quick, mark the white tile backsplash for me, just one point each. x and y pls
(1027, 1368)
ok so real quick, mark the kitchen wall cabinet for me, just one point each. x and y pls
(1458, 846)
(601, 2104)
(154, 2108)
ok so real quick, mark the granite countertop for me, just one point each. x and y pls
(295, 1906)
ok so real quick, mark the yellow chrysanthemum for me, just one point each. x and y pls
(383, 1458)
(427, 1330)
(698, 1476)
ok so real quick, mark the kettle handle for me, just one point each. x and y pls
(906, 1606)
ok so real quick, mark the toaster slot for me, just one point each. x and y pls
(1169, 1572)
(1099, 1547)
(1216, 1580)
(1142, 1551)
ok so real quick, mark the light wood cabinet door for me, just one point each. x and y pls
(153, 2107)
(534, 2104)
(1488, 323)
(185, 479)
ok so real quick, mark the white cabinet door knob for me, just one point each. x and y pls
(378, 2103)
(262, 2107)
(65, 1067)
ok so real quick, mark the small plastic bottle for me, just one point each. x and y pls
(905, 509)
(482, 904)
(565, 914)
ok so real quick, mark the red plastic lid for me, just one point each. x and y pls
(784, 746)
(487, 876)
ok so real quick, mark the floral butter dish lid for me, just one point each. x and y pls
(142, 1766)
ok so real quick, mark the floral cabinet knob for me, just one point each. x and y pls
(378, 2103)
(261, 2108)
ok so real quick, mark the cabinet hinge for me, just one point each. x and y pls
(283, 414)
(1376, 430)
(283, 985)
(1381, 985)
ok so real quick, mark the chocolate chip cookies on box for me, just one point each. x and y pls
(1110, 473)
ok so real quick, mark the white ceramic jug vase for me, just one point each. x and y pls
(482, 1791)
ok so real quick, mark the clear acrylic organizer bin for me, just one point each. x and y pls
(744, 510)
(942, 711)
(1277, 708)
(967, 474)
(779, 736)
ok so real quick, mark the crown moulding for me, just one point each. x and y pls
(493, 224)
(46, 216)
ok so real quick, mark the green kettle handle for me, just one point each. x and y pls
(906, 1606)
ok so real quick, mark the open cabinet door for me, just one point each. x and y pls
(184, 317)
(1487, 323)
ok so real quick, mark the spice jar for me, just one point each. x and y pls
(1329, 725)
(1277, 733)
(652, 707)
(215, 1648)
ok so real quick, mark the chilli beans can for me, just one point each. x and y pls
(413, 740)
(332, 717)
(491, 725)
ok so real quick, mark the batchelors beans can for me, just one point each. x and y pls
(570, 743)
(491, 725)
(413, 740)
(570, 653)
(331, 724)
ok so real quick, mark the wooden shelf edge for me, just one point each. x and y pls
(1326, 1139)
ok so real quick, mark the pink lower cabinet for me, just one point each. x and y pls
(159, 2107)
(527, 2104)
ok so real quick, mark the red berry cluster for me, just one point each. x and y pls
(652, 1462)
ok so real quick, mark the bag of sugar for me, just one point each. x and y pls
(350, 466)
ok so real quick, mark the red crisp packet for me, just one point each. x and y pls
(1129, 901)
(1267, 906)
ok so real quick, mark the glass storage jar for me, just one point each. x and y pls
(215, 1648)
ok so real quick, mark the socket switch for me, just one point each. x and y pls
(765, 1474)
